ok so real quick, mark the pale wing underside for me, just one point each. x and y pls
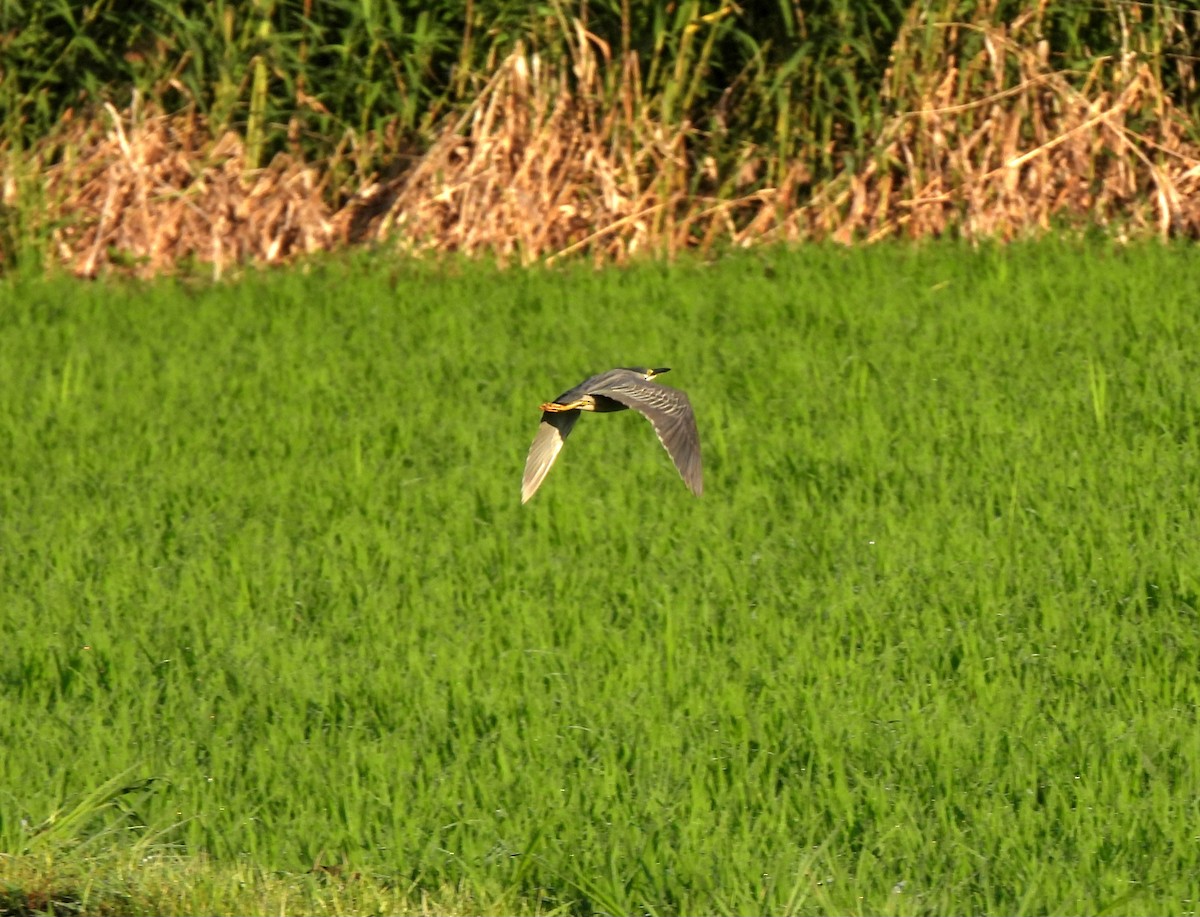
(670, 412)
(552, 431)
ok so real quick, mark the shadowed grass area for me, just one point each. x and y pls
(928, 642)
(171, 884)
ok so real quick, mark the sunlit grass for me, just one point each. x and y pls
(928, 642)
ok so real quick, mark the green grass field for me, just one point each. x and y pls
(927, 644)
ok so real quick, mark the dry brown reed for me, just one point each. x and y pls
(1030, 148)
(536, 170)
(145, 191)
(996, 145)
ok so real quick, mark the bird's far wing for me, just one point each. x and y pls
(552, 431)
(670, 412)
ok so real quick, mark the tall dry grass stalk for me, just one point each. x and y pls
(144, 190)
(537, 169)
(547, 161)
(1002, 144)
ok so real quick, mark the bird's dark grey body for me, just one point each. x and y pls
(667, 409)
(590, 388)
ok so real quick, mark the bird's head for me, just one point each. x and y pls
(648, 373)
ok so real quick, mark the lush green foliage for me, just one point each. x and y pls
(928, 643)
(807, 81)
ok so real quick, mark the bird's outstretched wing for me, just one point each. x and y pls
(669, 410)
(552, 431)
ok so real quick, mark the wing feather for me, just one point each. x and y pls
(552, 432)
(670, 413)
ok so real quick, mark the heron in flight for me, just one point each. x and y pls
(667, 409)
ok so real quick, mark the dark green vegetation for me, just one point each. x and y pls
(367, 81)
(928, 643)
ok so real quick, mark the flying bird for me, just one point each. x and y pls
(668, 409)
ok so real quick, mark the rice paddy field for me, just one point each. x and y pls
(278, 631)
